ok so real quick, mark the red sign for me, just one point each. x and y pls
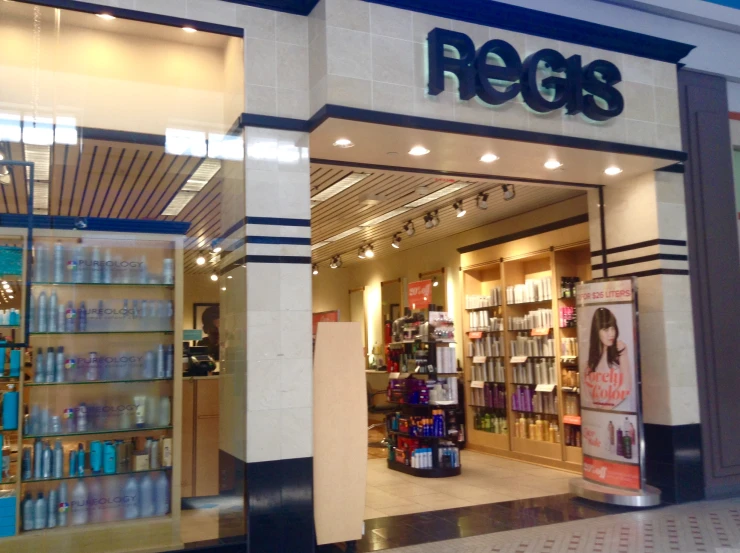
(475, 335)
(420, 294)
(572, 419)
(612, 474)
(324, 317)
(540, 331)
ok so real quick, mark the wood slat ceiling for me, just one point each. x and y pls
(137, 181)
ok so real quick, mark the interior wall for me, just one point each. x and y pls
(81, 72)
(197, 289)
(407, 264)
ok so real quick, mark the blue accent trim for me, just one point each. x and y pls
(96, 224)
(136, 15)
(233, 228)
(270, 122)
(490, 13)
(455, 127)
(484, 176)
(278, 240)
(298, 7)
(278, 221)
(290, 259)
(728, 3)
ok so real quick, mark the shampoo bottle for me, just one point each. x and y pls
(39, 513)
(82, 317)
(131, 499)
(43, 314)
(28, 522)
(146, 496)
(40, 372)
(79, 504)
(94, 495)
(162, 495)
(53, 312)
(50, 362)
(59, 369)
(58, 262)
(63, 505)
(58, 459)
(52, 509)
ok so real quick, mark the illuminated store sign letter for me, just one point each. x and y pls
(588, 90)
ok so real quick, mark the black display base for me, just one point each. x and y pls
(424, 473)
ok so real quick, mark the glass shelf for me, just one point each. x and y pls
(11, 481)
(97, 432)
(91, 475)
(100, 332)
(10, 326)
(131, 284)
(84, 382)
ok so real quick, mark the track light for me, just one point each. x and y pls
(214, 277)
(369, 253)
(435, 282)
(509, 192)
(216, 247)
(315, 269)
(458, 206)
(482, 200)
(396, 241)
(428, 221)
(201, 260)
(409, 228)
(361, 252)
(336, 262)
(435, 218)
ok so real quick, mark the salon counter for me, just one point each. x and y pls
(204, 469)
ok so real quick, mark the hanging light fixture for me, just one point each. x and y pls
(409, 228)
(458, 206)
(336, 262)
(482, 200)
(369, 253)
(509, 192)
(396, 241)
(315, 269)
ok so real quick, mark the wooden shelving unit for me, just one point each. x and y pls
(568, 261)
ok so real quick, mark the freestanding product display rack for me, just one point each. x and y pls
(101, 375)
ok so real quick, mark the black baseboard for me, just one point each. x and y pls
(280, 506)
(673, 461)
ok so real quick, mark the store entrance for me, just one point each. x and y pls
(462, 257)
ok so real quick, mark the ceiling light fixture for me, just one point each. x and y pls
(409, 228)
(458, 205)
(509, 192)
(315, 269)
(336, 262)
(553, 164)
(482, 200)
(369, 253)
(344, 143)
(382, 218)
(223, 288)
(214, 277)
(613, 170)
(200, 260)
(438, 194)
(396, 241)
(428, 221)
(189, 30)
(216, 247)
(105, 16)
(435, 217)
(339, 186)
(11, 297)
(489, 158)
(418, 151)
(229, 277)
(361, 252)
(435, 282)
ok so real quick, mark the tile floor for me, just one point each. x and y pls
(707, 526)
(484, 479)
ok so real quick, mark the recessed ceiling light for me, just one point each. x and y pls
(214, 277)
(613, 170)
(553, 164)
(418, 151)
(189, 30)
(229, 276)
(105, 16)
(4, 282)
(344, 143)
(223, 288)
(489, 158)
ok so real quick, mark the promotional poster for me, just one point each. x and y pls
(610, 395)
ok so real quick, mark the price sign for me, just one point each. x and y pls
(477, 384)
(540, 331)
(519, 359)
(479, 359)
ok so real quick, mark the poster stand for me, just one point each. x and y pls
(611, 401)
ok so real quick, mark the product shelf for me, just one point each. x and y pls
(528, 303)
(91, 475)
(481, 308)
(88, 382)
(98, 432)
(32, 334)
(407, 435)
(10, 326)
(104, 284)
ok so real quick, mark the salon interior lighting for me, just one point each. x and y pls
(613, 170)
(435, 282)
(489, 158)
(369, 253)
(428, 221)
(214, 277)
(435, 218)
(418, 151)
(200, 260)
(458, 206)
(189, 30)
(343, 143)
(396, 241)
(197, 182)
(553, 164)
(361, 252)
(105, 16)
(482, 200)
(339, 187)
(450, 189)
(409, 228)
(315, 269)
(509, 191)
(336, 262)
